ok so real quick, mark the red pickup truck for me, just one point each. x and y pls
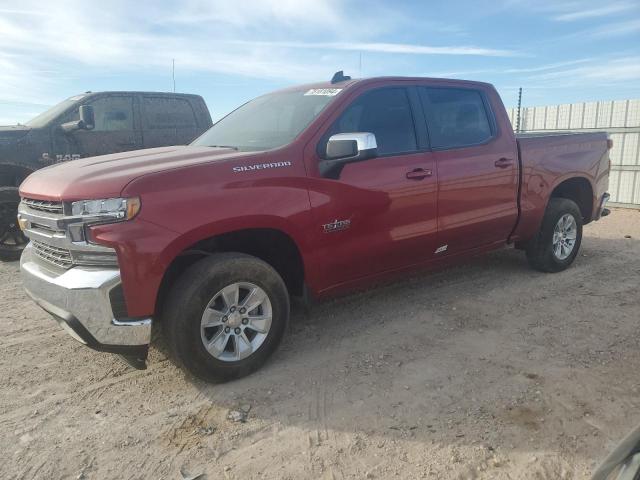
(306, 192)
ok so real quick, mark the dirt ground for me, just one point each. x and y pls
(488, 370)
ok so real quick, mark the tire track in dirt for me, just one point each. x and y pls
(154, 372)
(31, 339)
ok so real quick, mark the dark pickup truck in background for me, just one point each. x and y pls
(306, 192)
(86, 125)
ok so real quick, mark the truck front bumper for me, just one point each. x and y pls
(79, 299)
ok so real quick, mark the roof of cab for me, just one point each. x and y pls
(361, 81)
(137, 92)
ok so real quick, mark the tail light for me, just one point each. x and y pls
(609, 143)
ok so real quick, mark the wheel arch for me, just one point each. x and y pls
(573, 186)
(275, 246)
(580, 190)
(13, 174)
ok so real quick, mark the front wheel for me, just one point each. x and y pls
(556, 245)
(225, 316)
(12, 240)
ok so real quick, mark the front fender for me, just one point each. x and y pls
(146, 250)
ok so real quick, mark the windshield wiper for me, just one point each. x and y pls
(226, 146)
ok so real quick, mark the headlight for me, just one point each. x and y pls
(109, 208)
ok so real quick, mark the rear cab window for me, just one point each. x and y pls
(167, 112)
(456, 117)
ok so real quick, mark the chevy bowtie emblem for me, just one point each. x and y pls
(336, 226)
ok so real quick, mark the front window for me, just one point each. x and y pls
(385, 112)
(112, 113)
(45, 117)
(268, 122)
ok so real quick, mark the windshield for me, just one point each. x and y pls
(268, 122)
(45, 117)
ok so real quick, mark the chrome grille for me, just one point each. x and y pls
(43, 205)
(60, 257)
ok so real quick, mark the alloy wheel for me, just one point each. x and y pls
(565, 234)
(236, 321)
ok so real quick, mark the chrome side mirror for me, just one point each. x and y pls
(343, 148)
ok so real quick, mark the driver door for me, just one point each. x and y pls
(115, 129)
(380, 214)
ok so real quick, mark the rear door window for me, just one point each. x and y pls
(160, 112)
(386, 113)
(456, 117)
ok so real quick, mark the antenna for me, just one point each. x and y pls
(173, 73)
(519, 109)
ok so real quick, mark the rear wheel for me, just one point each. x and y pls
(12, 240)
(556, 245)
(225, 316)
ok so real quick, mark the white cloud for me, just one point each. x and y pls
(328, 14)
(573, 10)
(615, 29)
(71, 36)
(67, 38)
(509, 71)
(403, 48)
(14, 11)
(600, 72)
(579, 13)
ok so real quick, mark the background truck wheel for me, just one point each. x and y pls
(556, 245)
(12, 241)
(225, 315)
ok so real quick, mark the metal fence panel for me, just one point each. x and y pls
(620, 118)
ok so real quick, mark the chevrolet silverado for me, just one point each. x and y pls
(307, 192)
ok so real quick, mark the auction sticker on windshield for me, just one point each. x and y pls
(329, 92)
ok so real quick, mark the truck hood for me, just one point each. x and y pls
(10, 133)
(107, 175)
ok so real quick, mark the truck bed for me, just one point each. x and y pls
(546, 160)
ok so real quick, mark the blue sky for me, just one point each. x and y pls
(230, 51)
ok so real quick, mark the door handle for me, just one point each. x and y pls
(419, 174)
(503, 163)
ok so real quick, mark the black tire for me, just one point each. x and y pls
(191, 293)
(12, 240)
(540, 250)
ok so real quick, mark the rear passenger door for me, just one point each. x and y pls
(167, 121)
(477, 169)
